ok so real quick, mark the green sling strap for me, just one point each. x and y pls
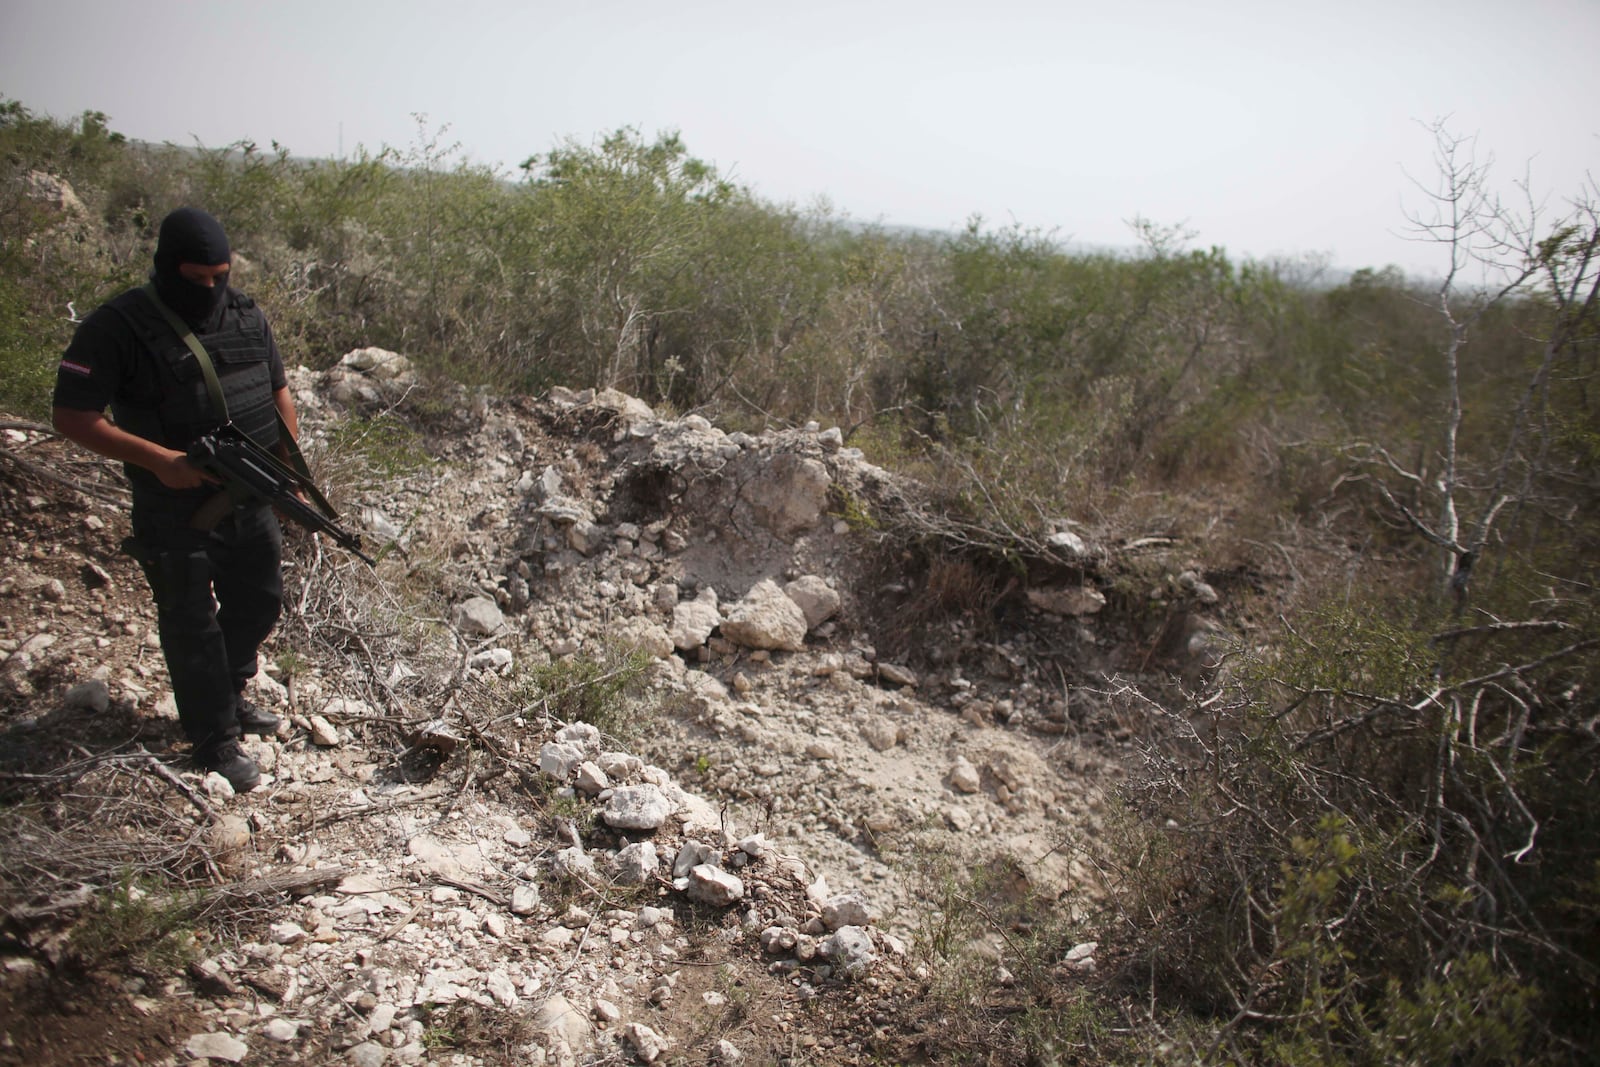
(212, 510)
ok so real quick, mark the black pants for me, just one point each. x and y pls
(218, 594)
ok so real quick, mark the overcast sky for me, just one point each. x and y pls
(1270, 128)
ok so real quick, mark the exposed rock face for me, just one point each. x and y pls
(55, 193)
(792, 495)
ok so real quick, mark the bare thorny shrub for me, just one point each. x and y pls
(1380, 844)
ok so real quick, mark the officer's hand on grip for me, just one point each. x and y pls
(176, 472)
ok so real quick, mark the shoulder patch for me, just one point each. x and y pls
(76, 368)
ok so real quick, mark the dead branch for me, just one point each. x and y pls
(111, 494)
(1536, 625)
(272, 886)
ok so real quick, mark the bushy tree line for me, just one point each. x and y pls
(630, 263)
(1384, 840)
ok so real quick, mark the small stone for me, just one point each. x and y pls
(592, 781)
(1068, 600)
(525, 900)
(575, 863)
(1081, 951)
(648, 1045)
(897, 675)
(964, 776)
(776, 940)
(282, 1030)
(637, 807)
(479, 617)
(223, 1047)
(714, 886)
(1068, 542)
(846, 909)
(288, 933)
(816, 599)
(559, 759)
(368, 1054)
(323, 733)
(881, 734)
(637, 863)
(217, 787)
(850, 949)
(91, 696)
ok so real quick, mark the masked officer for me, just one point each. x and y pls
(218, 586)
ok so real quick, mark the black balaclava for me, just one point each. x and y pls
(189, 235)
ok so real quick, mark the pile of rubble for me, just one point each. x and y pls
(744, 567)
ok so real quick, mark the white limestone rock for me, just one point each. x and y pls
(714, 886)
(846, 909)
(525, 900)
(766, 619)
(693, 621)
(898, 675)
(964, 777)
(850, 950)
(478, 617)
(224, 1047)
(648, 1045)
(592, 781)
(379, 363)
(559, 760)
(637, 863)
(817, 600)
(637, 807)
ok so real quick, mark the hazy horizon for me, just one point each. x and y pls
(1267, 131)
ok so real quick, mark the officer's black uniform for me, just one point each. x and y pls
(219, 591)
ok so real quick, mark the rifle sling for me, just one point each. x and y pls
(211, 512)
(201, 356)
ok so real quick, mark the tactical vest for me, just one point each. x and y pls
(239, 351)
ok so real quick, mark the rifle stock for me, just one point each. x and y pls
(248, 471)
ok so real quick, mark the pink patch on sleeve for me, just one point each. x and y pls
(76, 368)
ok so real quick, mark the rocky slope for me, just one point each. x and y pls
(805, 714)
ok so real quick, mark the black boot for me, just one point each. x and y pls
(228, 759)
(255, 720)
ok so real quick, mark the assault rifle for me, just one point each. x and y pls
(249, 472)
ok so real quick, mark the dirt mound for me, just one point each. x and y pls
(830, 708)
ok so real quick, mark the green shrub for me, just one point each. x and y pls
(599, 688)
(138, 923)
